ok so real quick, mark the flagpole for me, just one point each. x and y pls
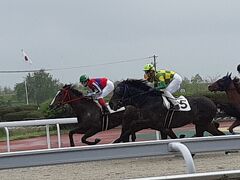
(27, 59)
(26, 91)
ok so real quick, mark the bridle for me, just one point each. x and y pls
(67, 98)
(225, 86)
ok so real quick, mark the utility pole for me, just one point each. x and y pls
(26, 91)
(154, 62)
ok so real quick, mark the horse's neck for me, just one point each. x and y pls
(233, 95)
(81, 104)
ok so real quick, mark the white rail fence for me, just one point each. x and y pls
(42, 122)
(185, 146)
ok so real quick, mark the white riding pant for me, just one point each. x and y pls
(107, 90)
(175, 84)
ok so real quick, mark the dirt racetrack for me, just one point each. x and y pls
(119, 169)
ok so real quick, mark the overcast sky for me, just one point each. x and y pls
(188, 36)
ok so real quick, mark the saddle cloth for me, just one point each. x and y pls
(183, 103)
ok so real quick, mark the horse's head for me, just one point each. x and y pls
(125, 91)
(222, 84)
(64, 96)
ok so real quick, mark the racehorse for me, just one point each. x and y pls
(154, 113)
(230, 86)
(88, 112)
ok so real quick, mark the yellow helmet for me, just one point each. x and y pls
(148, 67)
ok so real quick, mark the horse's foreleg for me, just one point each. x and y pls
(90, 133)
(199, 130)
(77, 130)
(234, 124)
(133, 128)
(171, 134)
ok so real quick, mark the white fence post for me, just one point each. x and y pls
(8, 139)
(42, 122)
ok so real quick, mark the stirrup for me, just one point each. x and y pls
(176, 107)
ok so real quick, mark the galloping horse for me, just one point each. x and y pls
(150, 102)
(230, 86)
(89, 115)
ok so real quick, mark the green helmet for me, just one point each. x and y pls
(148, 67)
(83, 78)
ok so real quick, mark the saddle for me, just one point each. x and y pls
(183, 103)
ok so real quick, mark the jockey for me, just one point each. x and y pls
(170, 81)
(100, 87)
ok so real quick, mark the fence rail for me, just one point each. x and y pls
(122, 150)
(42, 122)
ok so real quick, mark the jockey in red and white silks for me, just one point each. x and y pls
(101, 87)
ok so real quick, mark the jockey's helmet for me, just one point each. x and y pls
(238, 68)
(149, 67)
(83, 78)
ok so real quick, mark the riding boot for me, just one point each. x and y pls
(105, 110)
(172, 99)
(104, 106)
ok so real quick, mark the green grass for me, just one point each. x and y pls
(29, 132)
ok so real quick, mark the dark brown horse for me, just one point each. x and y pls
(150, 102)
(89, 115)
(230, 86)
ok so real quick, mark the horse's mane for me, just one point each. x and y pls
(138, 83)
(72, 88)
(236, 82)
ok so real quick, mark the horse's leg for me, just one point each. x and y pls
(199, 130)
(133, 137)
(90, 133)
(211, 128)
(133, 128)
(77, 130)
(163, 135)
(234, 124)
(171, 134)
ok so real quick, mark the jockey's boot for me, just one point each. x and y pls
(105, 110)
(104, 106)
(173, 100)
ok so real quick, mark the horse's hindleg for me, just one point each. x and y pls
(90, 133)
(211, 128)
(133, 137)
(234, 124)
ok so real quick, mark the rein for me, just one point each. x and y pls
(125, 99)
(67, 95)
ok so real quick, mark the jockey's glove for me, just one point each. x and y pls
(91, 94)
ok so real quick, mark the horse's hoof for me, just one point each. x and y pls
(97, 140)
(182, 136)
(231, 131)
(116, 141)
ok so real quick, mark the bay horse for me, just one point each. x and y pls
(150, 102)
(89, 115)
(232, 89)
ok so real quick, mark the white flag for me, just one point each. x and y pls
(26, 57)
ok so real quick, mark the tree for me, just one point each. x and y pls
(197, 79)
(40, 85)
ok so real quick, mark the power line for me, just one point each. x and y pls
(77, 67)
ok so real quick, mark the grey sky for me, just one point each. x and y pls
(189, 36)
